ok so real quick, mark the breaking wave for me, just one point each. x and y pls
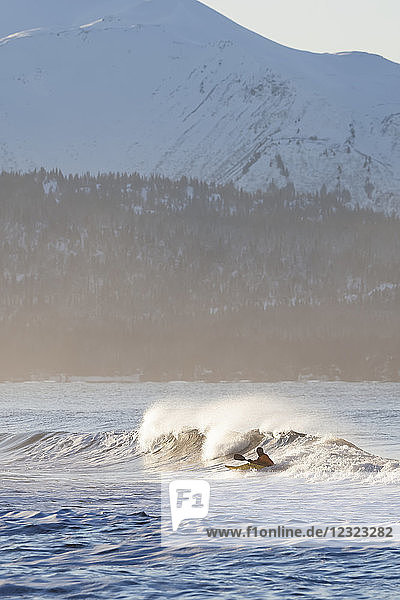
(50, 447)
(205, 438)
(209, 436)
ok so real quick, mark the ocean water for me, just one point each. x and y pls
(82, 467)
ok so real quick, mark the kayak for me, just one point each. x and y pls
(246, 467)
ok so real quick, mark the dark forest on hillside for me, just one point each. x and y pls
(120, 274)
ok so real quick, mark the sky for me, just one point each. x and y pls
(321, 25)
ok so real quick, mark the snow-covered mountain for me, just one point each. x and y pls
(171, 86)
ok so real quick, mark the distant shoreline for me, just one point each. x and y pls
(134, 379)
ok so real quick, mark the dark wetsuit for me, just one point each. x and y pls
(264, 459)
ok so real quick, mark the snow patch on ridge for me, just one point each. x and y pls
(18, 35)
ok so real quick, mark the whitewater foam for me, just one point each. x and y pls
(228, 426)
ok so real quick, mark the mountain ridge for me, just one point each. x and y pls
(176, 88)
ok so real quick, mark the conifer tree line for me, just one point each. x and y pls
(118, 274)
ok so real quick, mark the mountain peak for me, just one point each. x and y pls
(171, 86)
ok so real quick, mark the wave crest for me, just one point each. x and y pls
(50, 447)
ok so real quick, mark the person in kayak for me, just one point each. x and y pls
(263, 459)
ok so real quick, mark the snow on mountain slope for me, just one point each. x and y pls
(174, 87)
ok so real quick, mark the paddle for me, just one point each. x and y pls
(240, 457)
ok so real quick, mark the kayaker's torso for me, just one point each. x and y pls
(264, 459)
